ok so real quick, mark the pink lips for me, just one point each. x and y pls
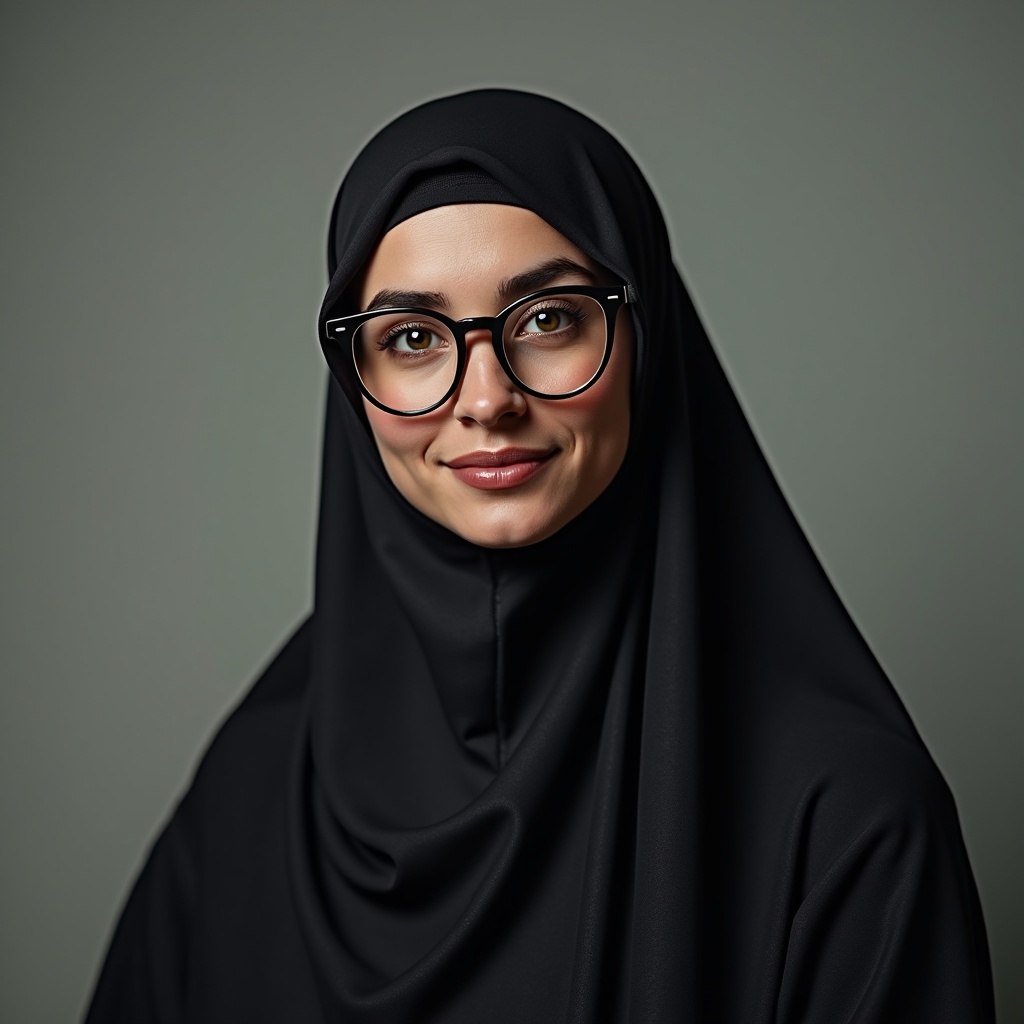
(495, 471)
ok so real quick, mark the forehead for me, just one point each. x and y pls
(468, 245)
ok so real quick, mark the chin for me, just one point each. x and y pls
(505, 530)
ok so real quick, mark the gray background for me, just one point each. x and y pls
(844, 188)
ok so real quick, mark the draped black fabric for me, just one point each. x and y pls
(645, 770)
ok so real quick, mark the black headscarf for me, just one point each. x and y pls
(645, 770)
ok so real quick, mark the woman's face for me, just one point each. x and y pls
(555, 456)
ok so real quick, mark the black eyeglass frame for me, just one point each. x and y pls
(610, 297)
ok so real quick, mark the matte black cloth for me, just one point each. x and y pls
(451, 185)
(646, 770)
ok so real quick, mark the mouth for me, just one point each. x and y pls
(502, 469)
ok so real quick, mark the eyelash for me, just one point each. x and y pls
(394, 332)
(577, 316)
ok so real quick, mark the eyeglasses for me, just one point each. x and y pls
(553, 343)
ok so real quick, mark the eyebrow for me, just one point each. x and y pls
(509, 288)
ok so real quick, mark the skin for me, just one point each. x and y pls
(463, 251)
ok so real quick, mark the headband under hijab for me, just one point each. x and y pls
(645, 770)
(445, 187)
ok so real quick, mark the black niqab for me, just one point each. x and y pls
(645, 770)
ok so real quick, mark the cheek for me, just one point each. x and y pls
(600, 417)
(400, 439)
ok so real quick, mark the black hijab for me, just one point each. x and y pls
(644, 770)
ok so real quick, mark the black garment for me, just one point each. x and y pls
(645, 770)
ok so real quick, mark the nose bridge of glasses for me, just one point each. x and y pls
(478, 323)
(479, 328)
(482, 329)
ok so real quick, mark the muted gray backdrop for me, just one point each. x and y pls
(844, 189)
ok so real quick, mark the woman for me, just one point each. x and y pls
(578, 729)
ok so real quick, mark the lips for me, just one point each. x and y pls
(507, 467)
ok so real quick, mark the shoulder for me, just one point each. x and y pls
(818, 779)
(867, 799)
(882, 914)
(880, 776)
(848, 758)
(233, 811)
(861, 773)
(246, 762)
(212, 880)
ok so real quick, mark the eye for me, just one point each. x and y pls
(413, 339)
(546, 321)
(560, 315)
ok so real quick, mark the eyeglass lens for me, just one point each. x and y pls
(554, 345)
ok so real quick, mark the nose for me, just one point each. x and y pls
(486, 395)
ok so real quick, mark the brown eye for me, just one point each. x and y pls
(546, 321)
(415, 339)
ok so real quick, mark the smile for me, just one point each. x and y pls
(495, 471)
